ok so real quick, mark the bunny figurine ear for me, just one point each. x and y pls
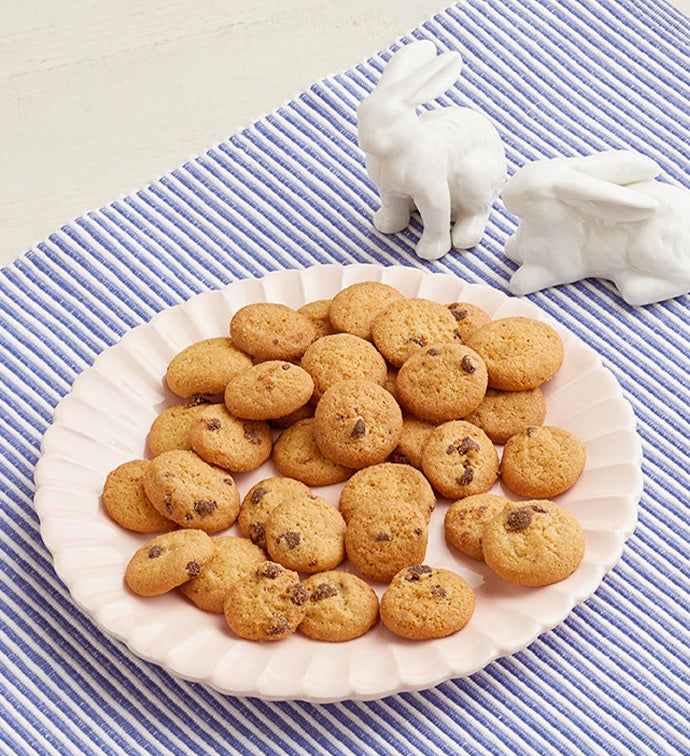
(617, 166)
(408, 59)
(431, 80)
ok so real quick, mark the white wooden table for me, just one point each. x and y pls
(99, 99)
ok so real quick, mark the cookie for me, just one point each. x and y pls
(533, 543)
(233, 558)
(542, 461)
(410, 325)
(306, 533)
(442, 382)
(205, 367)
(268, 391)
(318, 312)
(167, 561)
(260, 500)
(502, 414)
(468, 317)
(341, 607)
(342, 356)
(466, 518)
(126, 502)
(296, 455)
(224, 440)
(520, 353)
(382, 484)
(267, 605)
(271, 331)
(170, 429)
(459, 460)
(425, 602)
(381, 541)
(357, 423)
(354, 308)
(191, 492)
(414, 435)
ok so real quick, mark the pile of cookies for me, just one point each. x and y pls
(400, 399)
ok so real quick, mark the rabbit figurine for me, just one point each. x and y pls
(600, 216)
(448, 163)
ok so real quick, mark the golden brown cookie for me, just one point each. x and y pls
(384, 483)
(425, 602)
(468, 317)
(533, 543)
(306, 533)
(296, 455)
(268, 391)
(317, 312)
(191, 492)
(357, 423)
(520, 353)
(260, 500)
(542, 461)
(232, 559)
(354, 308)
(341, 607)
(170, 429)
(126, 502)
(414, 435)
(271, 331)
(267, 605)
(205, 367)
(167, 561)
(466, 518)
(459, 460)
(502, 414)
(342, 356)
(412, 324)
(442, 382)
(381, 541)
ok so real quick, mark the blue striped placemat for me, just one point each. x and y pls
(567, 77)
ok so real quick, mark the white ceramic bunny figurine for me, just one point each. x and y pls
(449, 163)
(599, 216)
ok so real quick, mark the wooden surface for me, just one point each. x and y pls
(99, 99)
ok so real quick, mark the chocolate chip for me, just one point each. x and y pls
(213, 424)
(359, 429)
(298, 594)
(257, 533)
(269, 570)
(252, 436)
(155, 552)
(451, 448)
(467, 364)
(193, 569)
(196, 400)
(437, 590)
(416, 571)
(418, 532)
(279, 627)
(257, 494)
(323, 591)
(291, 539)
(519, 519)
(539, 508)
(285, 366)
(418, 340)
(457, 312)
(467, 476)
(433, 352)
(380, 537)
(228, 481)
(468, 444)
(531, 430)
(205, 508)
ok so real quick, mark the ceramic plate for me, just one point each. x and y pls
(104, 422)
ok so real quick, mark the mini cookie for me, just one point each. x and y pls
(354, 308)
(382, 484)
(170, 429)
(342, 356)
(381, 541)
(425, 602)
(168, 560)
(502, 414)
(126, 502)
(224, 440)
(268, 391)
(533, 543)
(260, 500)
(317, 312)
(341, 607)
(357, 423)
(465, 520)
(233, 558)
(296, 455)
(205, 367)
(520, 353)
(414, 435)
(410, 325)
(468, 317)
(459, 460)
(442, 382)
(267, 605)
(271, 331)
(306, 533)
(191, 492)
(541, 462)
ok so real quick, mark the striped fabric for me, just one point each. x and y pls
(559, 77)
